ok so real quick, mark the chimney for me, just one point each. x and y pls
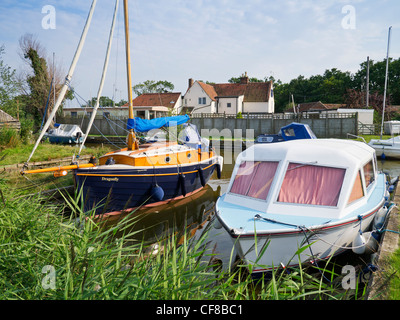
(190, 82)
(244, 79)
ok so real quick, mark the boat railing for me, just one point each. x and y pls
(355, 136)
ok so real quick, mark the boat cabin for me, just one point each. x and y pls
(292, 131)
(325, 178)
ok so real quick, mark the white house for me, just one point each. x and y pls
(229, 98)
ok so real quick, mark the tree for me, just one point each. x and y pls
(37, 88)
(104, 102)
(151, 86)
(377, 72)
(237, 80)
(8, 87)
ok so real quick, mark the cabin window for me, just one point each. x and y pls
(254, 179)
(311, 184)
(357, 192)
(369, 175)
(289, 132)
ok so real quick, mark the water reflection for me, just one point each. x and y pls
(154, 223)
(391, 167)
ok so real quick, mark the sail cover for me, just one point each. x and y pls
(143, 125)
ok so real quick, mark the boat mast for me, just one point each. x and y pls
(132, 142)
(386, 76)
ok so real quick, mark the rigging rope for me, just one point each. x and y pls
(105, 67)
(76, 95)
(257, 216)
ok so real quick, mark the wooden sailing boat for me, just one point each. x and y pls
(140, 174)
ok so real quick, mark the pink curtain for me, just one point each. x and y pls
(309, 184)
(254, 179)
(243, 178)
(262, 180)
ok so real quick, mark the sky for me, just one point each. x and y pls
(208, 40)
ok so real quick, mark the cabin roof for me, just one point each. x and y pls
(326, 151)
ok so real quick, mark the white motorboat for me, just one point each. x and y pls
(318, 193)
(65, 133)
(389, 148)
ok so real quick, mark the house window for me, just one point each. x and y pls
(74, 114)
(202, 100)
(254, 179)
(106, 114)
(310, 184)
(229, 104)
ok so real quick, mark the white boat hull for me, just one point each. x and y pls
(386, 147)
(282, 249)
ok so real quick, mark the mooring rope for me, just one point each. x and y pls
(302, 228)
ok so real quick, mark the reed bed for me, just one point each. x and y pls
(56, 252)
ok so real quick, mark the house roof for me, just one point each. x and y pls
(314, 106)
(6, 119)
(167, 99)
(252, 92)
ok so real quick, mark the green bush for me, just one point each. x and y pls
(9, 137)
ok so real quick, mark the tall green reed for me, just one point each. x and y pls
(61, 252)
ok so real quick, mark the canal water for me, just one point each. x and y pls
(194, 214)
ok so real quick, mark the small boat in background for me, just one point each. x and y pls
(64, 133)
(321, 194)
(292, 131)
(386, 148)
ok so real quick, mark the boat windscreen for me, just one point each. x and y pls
(369, 173)
(311, 184)
(254, 179)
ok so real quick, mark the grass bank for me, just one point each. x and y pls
(46, 151)
(48, 251)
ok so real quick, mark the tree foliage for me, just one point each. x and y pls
(39, 86)
(335, 86)
(8, 87)
(151, 86)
